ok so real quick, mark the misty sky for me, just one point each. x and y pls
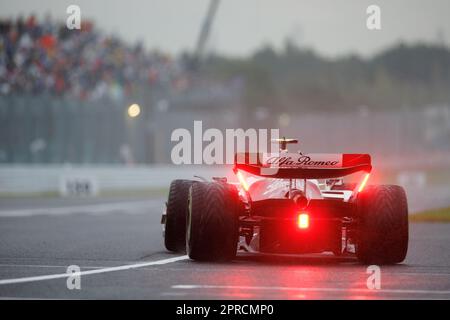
(331, 27)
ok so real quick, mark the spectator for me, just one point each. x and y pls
(85, 64)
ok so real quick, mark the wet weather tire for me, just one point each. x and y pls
(212, 222)
(383, 225)
(177, 207)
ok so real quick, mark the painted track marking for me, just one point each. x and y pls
(275, 288)
(96, 271)
(8, 265)
(93, 209)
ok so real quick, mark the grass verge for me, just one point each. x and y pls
(437, 215)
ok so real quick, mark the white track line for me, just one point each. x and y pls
(6, 265)
(188, 286)
(99, 208)
(97, 271)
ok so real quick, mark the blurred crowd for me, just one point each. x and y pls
(39, 57)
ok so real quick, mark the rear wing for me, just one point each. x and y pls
(302, 166)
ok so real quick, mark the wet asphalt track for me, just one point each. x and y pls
(44, 236)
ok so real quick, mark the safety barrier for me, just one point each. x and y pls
(59, 179)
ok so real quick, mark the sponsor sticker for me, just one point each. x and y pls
(295, 160)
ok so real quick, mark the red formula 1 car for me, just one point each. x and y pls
(289, 203)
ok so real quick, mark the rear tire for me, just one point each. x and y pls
(212, 222)
(383, 225)
(177, 206)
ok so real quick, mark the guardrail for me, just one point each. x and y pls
(17, 180)
(60, 179)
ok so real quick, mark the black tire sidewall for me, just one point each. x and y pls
(212, 222)
(177, 207)
(382, 225)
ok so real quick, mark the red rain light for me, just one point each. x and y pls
(303, 221)
(363, 183)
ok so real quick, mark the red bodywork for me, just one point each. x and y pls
(271, 207)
